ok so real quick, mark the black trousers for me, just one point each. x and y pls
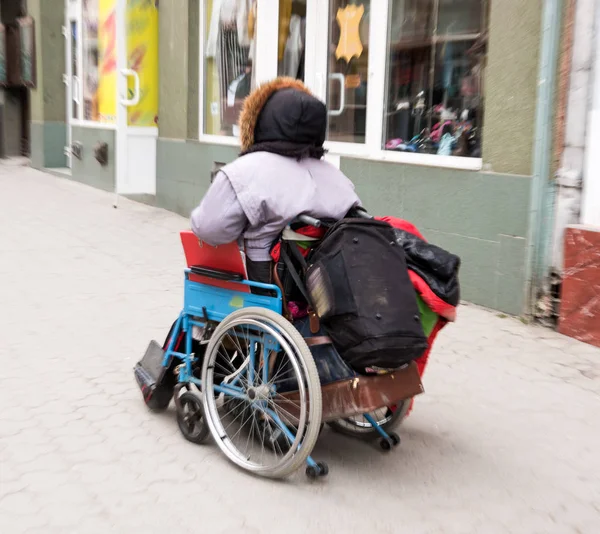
(260, 271)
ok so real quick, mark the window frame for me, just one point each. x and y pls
(74, 13)
(316, 74)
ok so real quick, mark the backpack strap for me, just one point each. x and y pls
(294, 273)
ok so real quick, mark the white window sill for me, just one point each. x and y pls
(361, 151)
(425, 160)
(225, 140)
(93, 124)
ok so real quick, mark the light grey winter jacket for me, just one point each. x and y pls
(259, 194)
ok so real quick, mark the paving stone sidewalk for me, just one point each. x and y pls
(505, 440)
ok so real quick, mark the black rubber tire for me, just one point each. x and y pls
(395, 438)
(160, 399)
(386, 444)
(315, 471)
(324, 469)
(369, 433)
(198, 431)
(312, 472)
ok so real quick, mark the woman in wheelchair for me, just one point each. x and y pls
(279, 175)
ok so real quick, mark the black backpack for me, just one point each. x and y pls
(358, 284)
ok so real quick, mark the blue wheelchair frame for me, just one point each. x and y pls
(214, 304)
(205, 304)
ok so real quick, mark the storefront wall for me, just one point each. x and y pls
(477, 207)
(481, 215)
(48, 115)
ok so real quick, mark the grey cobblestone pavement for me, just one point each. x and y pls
(504, 440)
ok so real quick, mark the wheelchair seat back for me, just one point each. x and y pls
(222, 266)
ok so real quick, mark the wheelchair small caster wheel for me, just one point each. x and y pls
(395, 438)
(319, 470)
(386, 444)
(190, 418)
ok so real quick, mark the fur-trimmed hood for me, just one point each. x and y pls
(295, 116)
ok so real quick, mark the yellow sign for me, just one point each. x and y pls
(106, 97)
(142, 57)
(348, 19)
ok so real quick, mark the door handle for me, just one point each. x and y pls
(135, 99)
(342, 79)
(75, 90)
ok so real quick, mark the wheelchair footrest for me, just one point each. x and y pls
(149, 371)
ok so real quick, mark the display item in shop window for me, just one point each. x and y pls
(436, 131)
(294, 48)
(230, 43)
(352, 81)
(447, 140)
(285, 17)
(252, 19)
(230, 14)
(348, 19)
(393, 144)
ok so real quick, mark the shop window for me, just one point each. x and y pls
(434, 101)
(3, 73)
(99, 60)
(229, 52)
(348, 67)
(291, 38)
(74, 70)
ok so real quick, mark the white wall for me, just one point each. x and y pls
(570, 175)
(590, 201)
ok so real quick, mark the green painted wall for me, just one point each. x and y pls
(179, 69)
(48, 101)
(48, 112)
(47, 144)
(193, 69)
(511, 85)
(183, 172)
(37, 95)
(482, 217)
(88, 170)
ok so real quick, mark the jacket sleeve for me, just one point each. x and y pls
(219, 219)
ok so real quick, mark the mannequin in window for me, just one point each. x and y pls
(229, 43)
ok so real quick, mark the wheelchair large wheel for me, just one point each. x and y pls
(254, 356)
(358, 427)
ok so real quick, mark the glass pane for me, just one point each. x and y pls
(74, 71)
(99, 61)
(459, 16)
(142, 57)
(434, 81)
(348, 70)
(412, 22)
(292, 38)
(228, 55)
(90, 60)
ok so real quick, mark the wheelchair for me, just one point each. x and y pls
(240, 371)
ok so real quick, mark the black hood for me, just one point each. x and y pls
(293, 116)
(292, 123)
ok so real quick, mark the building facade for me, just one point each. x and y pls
(440, 111)
(15, 77)
(576, 239)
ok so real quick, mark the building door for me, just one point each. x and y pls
(111, 84)
(137, 96)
